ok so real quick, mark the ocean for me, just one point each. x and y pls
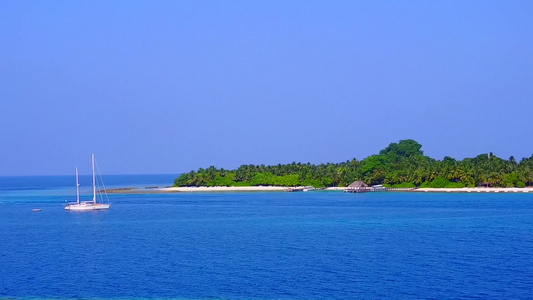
(314, 245)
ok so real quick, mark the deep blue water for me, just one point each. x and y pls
(317, 245)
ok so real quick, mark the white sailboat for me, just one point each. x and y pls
(86, 205)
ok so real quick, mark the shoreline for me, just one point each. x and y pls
(225, 189)
(476, 190)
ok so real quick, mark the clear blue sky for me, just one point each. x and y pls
(171, 86)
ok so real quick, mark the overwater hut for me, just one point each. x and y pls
(357, 187)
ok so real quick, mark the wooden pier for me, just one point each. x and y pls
(300, 189)
(374, 190)
(294, 189)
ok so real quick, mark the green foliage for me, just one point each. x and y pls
(373, 163)
(404, 185)
(439, 182)
(183, 180)
(403, 149)
(287, 180)
(374, 169)
(267, 178)
(456, 185)
(312, 182)
(424, 185)
(326, 181)
(262, 179)
(401, 164)
(509, 180)
(220, 180)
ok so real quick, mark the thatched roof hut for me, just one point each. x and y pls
(357, 185)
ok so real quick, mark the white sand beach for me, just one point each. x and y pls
(476, 190)
(234, 189)
(219, 189)
(222, 189)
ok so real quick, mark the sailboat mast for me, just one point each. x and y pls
(77, 188)
(94, 184)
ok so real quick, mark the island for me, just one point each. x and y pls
(399, 165)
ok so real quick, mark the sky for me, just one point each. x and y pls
(164, 87)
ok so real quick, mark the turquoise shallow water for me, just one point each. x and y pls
(318, 245)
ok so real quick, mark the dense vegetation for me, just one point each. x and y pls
(401, 164)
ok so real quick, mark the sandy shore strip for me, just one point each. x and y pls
(222, 189)
(219, 189)
(236, 189)
(476, 190)
(201, 189)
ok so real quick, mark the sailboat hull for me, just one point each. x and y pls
(87, 206)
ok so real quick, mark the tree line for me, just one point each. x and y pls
(401, 164)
